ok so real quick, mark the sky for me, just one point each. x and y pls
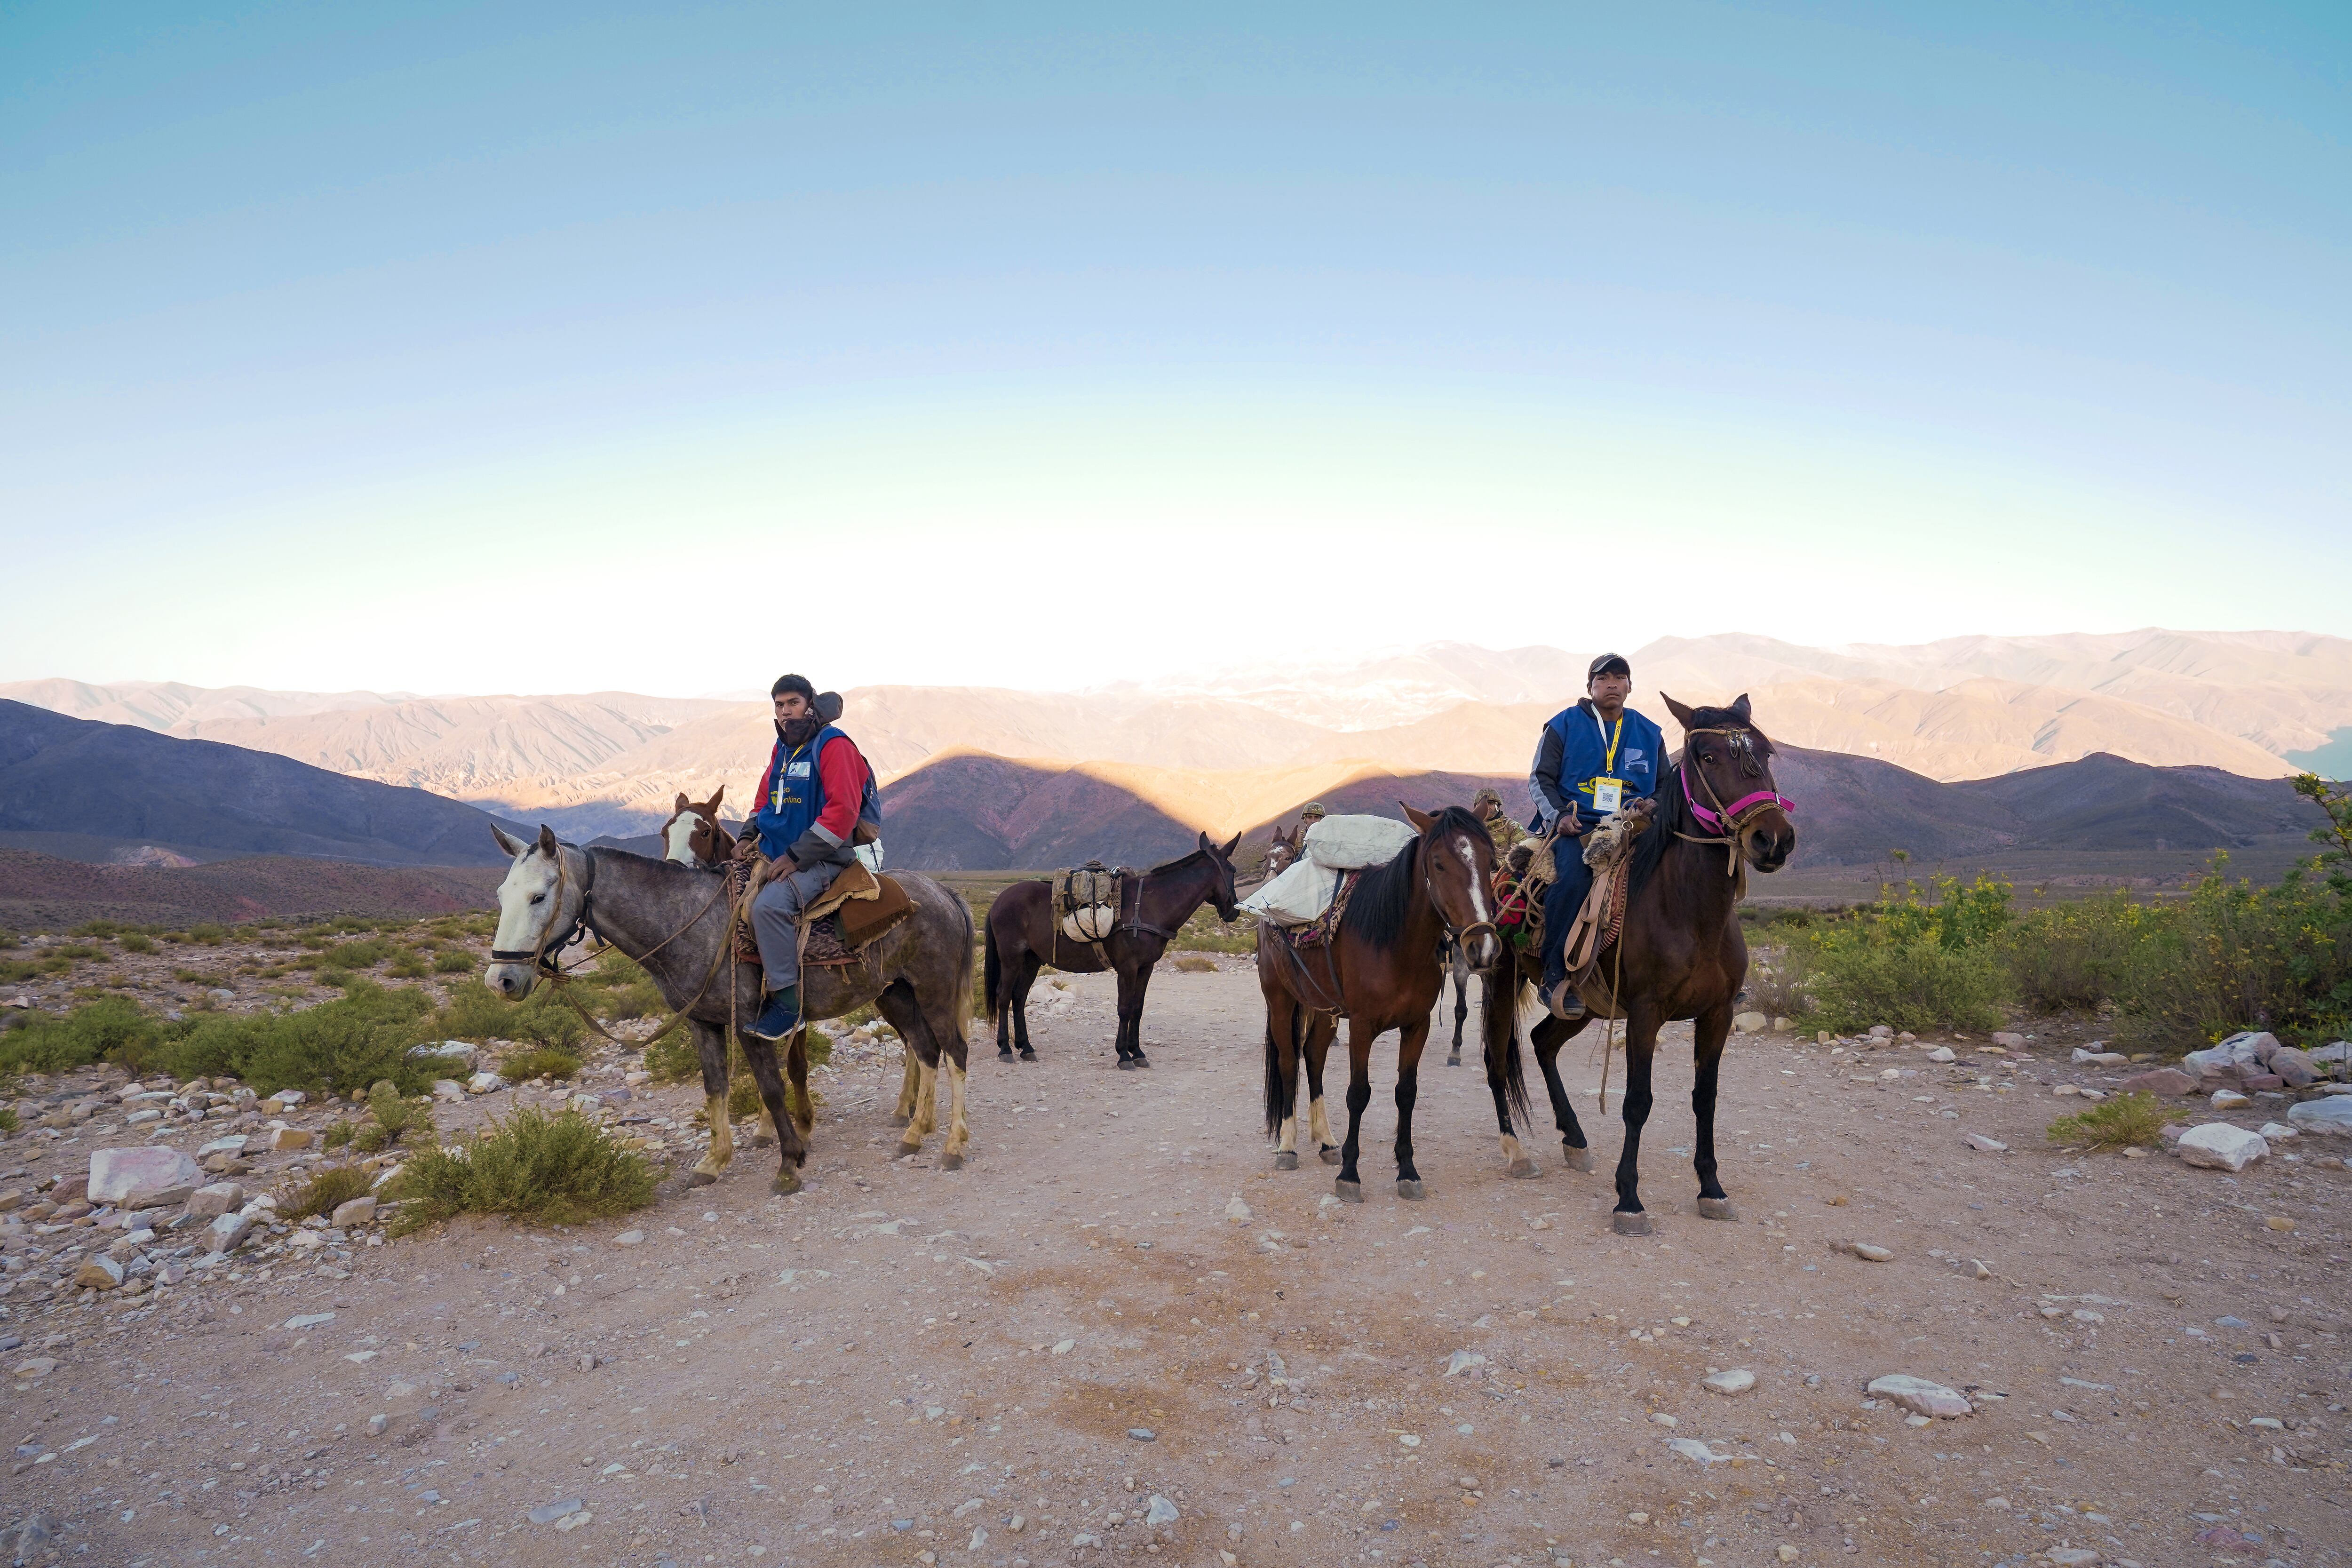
(539, 348)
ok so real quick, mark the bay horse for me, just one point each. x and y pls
(1023, 934)
(675, 920)
(1381, 969)
(1680, 955)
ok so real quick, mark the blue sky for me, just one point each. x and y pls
(448, 349)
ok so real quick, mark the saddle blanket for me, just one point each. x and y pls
(1085, 901)
(1297, 897)
(1320, 931)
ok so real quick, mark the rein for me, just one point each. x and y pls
(1729, 826)
(1461, 935)
(559, 979)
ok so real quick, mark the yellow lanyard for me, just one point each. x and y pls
(776, 795)
(1609, 764)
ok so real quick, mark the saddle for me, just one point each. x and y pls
(1085, 901)
(1323, 929)
(856, 911)
(1608, 849)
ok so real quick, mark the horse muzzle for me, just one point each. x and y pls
(512, 981)
(1771, 844)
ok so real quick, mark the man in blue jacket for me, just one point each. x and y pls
(1592, 760)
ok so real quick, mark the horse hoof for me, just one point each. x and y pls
(1331, 1156)
(1348, 1192)
(1579, 1158)
(1127, 1064)
(1028, 1056)
(1525, 1169)
(1005, 1056)
(950, 1161)
(1287, 1161)
(786, 1184)
(1411, 1190)
(762, 1141)
(1625, 1224)
(900, 1118)
(1717, 1208)
(700, 1179)
(1455, 1060)
(1140, 1060)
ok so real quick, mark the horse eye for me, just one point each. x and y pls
(539, 897)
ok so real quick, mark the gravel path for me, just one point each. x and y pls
(1118, 1332)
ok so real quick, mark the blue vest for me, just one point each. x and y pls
(797, 794)
(1584, 755)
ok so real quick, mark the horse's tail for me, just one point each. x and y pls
(995, 965)
(963, 975)
(1504, 985)
(1278, 1105)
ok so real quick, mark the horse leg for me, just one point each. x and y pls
(711, 1047)
(919, 1096)
(775, 1098)
(1502, 1031)
(1410, 1040)
(796, 1089)
(1024, 975)
(1461, 1005)
(1282, 1079)
(1000, 992)
(1130, 1019)
(1710, 1028)
(1320, 1031)
(1360, 1095)
(1548, 1036)
(946, 1033)
(1641, 1051)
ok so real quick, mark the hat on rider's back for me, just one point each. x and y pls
(1608, 664)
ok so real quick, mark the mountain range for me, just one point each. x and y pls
(2259, 704)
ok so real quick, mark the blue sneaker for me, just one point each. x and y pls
(781, 1017)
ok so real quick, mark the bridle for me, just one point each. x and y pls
(581, 923)
(1460, 935)
(1731, 826)
(584, 924)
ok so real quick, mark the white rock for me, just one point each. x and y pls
(1750, 1022)
(2105, 1058)
(232, 1144)
(1984, 1145)
(308, 1320)
(629, 1238)
(2228, 1099)
(1738, 1380)
(1870, 1253)
(2218, 1146)
(448, 1090)
(485, 1083)
(1920, 1397)
(585, 1104)
(143, 1178)
(1698, 1453)
(1238, 1212)
(2009, 1040)
(212, 1202)
(1161, 1511)
(1942, 1054)
(449, 1053)
(2329, 1117)
(2278, 1133)
(228, 1230)
(289, 1097)
(1463, 1360)
(357, 1211)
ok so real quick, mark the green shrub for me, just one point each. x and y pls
(207, 935)
(2083, 953)
(628, 990)
(1907, 961)
(2128, 1120)
(8, 1123)
(673, 1058)
(2233, 957)
(1204, 932)
(562, 1170)
(364, 954)
(453, 963)
(96, 928)
(474, 1011)
(393, 1113)
(408, 966)
(540, 1061)
(135, 941)
(324, 1192)
(358, 1038)
(113, 1028)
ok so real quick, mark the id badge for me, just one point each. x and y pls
(1608, 794)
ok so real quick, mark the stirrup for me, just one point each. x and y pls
(1562, 1002)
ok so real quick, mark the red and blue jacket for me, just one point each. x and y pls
(811, 797)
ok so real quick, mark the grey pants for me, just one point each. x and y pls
(775, 920)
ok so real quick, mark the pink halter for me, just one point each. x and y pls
(1726, 822)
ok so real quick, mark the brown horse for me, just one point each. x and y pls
(1680, 955)
(1382, 969)
(1023, 935)
(693, 834)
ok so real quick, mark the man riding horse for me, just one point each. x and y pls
(811, 800)
(1592, 760)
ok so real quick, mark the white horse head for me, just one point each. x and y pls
(531, 909)
(677, 838)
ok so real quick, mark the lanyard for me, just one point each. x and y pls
(776, 793)
(1609, 764)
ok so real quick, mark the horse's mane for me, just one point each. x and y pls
(1383, 895)
(1674, 813)
(1177, 864)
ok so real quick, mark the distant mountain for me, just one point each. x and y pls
(1960, 709)
(69, 781)
(42, 892)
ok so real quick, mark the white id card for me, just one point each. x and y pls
(1608, 794)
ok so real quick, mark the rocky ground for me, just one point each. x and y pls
(1117, 1331)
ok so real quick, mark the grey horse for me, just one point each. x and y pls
(673, 919)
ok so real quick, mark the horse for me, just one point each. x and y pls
(677, 922)
(1381, 968)
(1457, 964)
(1023, 933)
(1680, 955)
(693, 836)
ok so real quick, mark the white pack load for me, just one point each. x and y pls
(1297, 897)
(1353, 843)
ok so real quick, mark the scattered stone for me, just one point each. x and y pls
(548, 1513)
(100, 1273)
(2104, 1059)
(449, 1091)
(228, 1230)
(2328, 1118)
(357, 1211)
(1750, 1022)
(1943, 1054)
(1160, 1512)
(280, 1139)
(2277, 1133)
(485, 1083)
(2169, 1082)
(449, 1053)
(2218, 1146)
(585, 1104)
(35, 1368)
(1920, 1397)
(1870, 1253)
(2228, 1099)
(2009, 1041)
(1738, 1380)
(212, 1202)
(1143, 1434)
(1984, 1145)
(308, 1321)
(377, 1423)
(629, 1238)
(143, 1178)
(1463, 1360)
(1697, 1452)
(1238, 1212)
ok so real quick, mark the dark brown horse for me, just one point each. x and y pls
(693, 836)
(1023, 934)
(1681, 955)
(1382, 971)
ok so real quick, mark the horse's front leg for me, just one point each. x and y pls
(796, 1089)
(909, 1085)
(919, 1097)
(1133, 979)
(1710, 1029)
(1024, 977)
(1461, 1005)
(1410, 1041)
(1500, 1027)
(1282, 1079)
(1640, 1053)
(1348, 1186)
(1320, 1031)
(711, 1050)
(762, 1055)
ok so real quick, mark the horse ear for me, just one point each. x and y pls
(1420, 819)
(1682, 715)
(508, 841)
(547, 840)
(1230, 845)
(683, 803)
(716, 796)
(1739, 709)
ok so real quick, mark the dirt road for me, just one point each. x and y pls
(1078, 1347)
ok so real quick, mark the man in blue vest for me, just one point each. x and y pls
(810, 799)
(1592, 760)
